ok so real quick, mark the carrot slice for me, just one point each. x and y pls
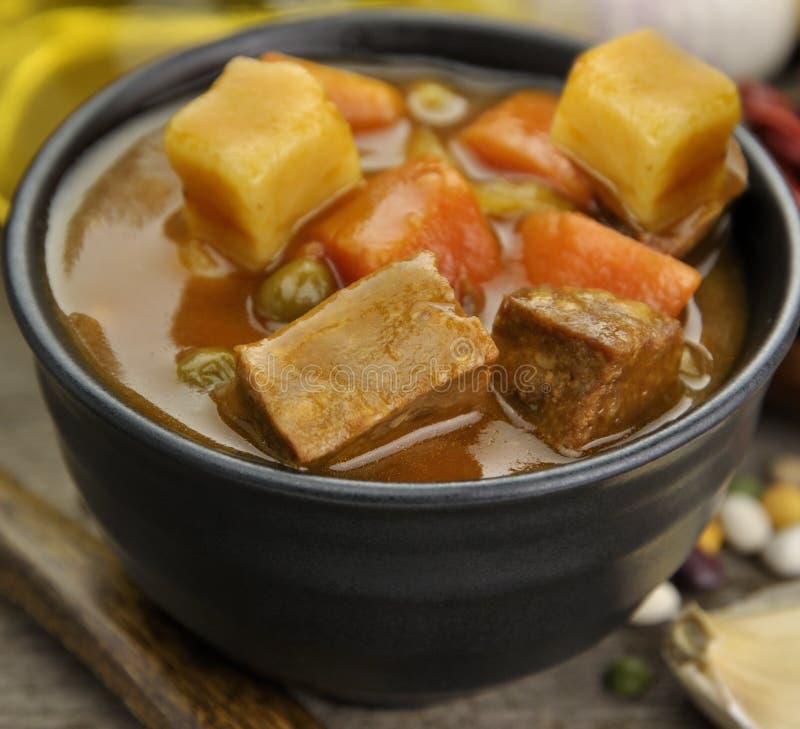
(425, 204)
(515, 136)
(570, 249)
(366, 103)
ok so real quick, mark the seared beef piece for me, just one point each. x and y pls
(371, 362)
(586, 363)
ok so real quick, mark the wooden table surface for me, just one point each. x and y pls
(43, 687)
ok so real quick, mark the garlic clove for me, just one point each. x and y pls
(741, 665)
(662, 604)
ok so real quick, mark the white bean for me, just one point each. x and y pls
(782, 554)
(746, 523)
(662, 604)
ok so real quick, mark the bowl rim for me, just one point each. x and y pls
(29, 295)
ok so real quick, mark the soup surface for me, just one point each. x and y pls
(137, 292)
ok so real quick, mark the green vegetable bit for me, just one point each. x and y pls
(499, 198)
(423, 142)
(206, 367)
(294, 289)
(628, 677)
(747, 485)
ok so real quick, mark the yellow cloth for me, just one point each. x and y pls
(55, 55)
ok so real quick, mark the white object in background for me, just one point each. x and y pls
(662, 604)
(744, 38)
(782, 554)
(746, 524)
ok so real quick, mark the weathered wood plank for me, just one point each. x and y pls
(73, 586)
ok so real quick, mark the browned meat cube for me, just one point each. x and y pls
(369, 362)
(586, 363)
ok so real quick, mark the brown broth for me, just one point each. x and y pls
(135, 291)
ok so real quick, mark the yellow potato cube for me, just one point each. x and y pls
(257, 152)
(652, 122)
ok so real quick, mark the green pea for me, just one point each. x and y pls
(747, 485)
(206, 367)
(293, 289)
(628, 676)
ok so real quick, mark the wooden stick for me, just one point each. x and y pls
(73, 586)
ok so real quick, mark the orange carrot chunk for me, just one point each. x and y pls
(425, 204)
(570, 249)
(515, 136)
(366, 103)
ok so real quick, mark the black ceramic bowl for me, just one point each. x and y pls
(392, 592)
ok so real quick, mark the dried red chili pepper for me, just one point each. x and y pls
(771, 115)
(769, 112)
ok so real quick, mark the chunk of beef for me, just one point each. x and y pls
(370, 362)
(586, 363)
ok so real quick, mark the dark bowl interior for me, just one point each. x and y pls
(393, 592)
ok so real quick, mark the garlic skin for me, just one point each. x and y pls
(747, 525)
(662, 604)
(741, 665)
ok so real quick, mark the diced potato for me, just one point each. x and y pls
(515, 136)
(679, 239)
(373, 361)
(366, 103)
(257, 152)
(425, 204)
(652, 122)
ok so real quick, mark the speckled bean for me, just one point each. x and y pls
(782, 502)
(711, 539)
(699, 572)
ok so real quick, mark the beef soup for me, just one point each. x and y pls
(413, 274)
